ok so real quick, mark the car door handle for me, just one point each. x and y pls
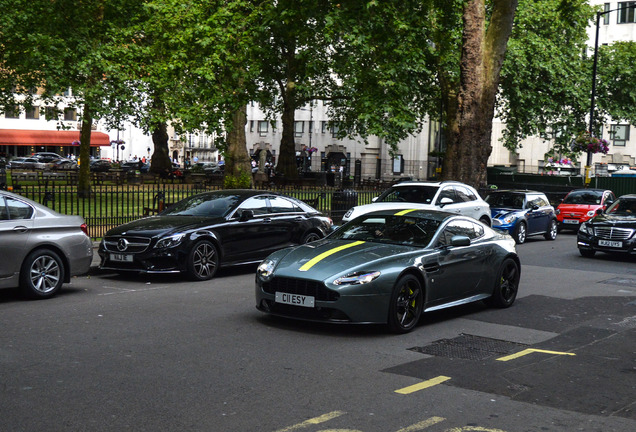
(21, 228)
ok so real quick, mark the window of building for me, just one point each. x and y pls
(251, 125)
(606, 17)
(324, 127)
(50, 113)
(11, 111)
(70, 114)
(619, 134)
(626, 13)
(33, 113)
(334, 131)
(299, 128)
(398, 164)
(263, 127)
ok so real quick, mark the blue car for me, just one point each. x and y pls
(522, 213)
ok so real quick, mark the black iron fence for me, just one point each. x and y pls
(112, 205)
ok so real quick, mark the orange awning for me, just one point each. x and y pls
(23, 137)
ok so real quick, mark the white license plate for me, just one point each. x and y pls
(571, 221)
(121, 257)
(294, 299)
(608, 243)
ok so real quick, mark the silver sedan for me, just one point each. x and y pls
(41, 248)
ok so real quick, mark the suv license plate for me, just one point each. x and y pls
(295, 299)
(121, 257)
(614, 244)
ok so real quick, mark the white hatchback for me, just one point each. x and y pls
(450, 196)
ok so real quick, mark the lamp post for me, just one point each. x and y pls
(594, 69)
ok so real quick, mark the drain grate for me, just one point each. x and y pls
(469, 347)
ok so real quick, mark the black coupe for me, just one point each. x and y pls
(212, 229)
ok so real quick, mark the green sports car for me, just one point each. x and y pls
(388, 267)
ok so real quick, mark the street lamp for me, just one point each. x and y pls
(594, 69)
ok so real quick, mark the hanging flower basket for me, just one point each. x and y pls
(587, 143)
(75, 143)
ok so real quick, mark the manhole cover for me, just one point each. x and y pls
(469, 347)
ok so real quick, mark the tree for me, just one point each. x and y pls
(616, 81)
(56, 45)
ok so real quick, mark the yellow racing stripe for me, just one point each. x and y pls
(309, 264)
(403, 212)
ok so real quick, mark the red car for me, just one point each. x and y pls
(580, 205)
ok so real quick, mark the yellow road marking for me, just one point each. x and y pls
(531, 350)
(313, 421)
(424, 384)
(309, 264)
(403, 212)
(423, 424)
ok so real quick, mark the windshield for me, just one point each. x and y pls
(623, 207)
(389, 229)
(505, 200)
(207, 205)
(584, 197)
(411, 194)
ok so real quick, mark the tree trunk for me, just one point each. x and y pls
(237, 159)
(287, 158)
(160, 161)
(84, 181)
(469, 139)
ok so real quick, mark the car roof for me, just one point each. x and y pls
(517, 191)
(628, 196)
(427, 183)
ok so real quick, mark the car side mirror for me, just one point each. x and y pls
(599, 211)
(534, 207)
(246, 215)
(460, 240)
(445, 201)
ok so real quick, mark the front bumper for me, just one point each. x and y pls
(340, 308)
(160, 261)
(589, 242)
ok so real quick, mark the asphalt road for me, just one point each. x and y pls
(114, 353)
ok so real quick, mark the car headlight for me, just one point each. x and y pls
(509, 219)
(357, 278)
(586, 229)
(168, 242)
(266, 269)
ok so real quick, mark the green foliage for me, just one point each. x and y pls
(616, 81)
(545, 81)
(242, 181)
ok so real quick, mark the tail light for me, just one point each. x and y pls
(84, 228)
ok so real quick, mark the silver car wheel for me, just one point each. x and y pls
(203, 261)
(551, 234)
(42, 274)
(520, 233)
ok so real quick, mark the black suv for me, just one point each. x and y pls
(612, 230)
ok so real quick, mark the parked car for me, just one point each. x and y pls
(142, 167)
(42, 249)
(25, 163)
(62, 164)
(580, 205)
(388, 267)
(522, 213)
(46, 156)
(100, 165)
(449, 196)
(612, 230)
(199, 234)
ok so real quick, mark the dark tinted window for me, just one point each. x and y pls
(448, 192)
(389, 229)
(538, 200)
(506, 200)
(465, 194)
(412, 194)
(460, 227)
(209, 205)
(282, 205)
(583, 197)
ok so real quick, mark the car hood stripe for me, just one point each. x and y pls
(309, 264)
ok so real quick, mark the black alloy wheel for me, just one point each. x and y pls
(407, 302)
(506, 285)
